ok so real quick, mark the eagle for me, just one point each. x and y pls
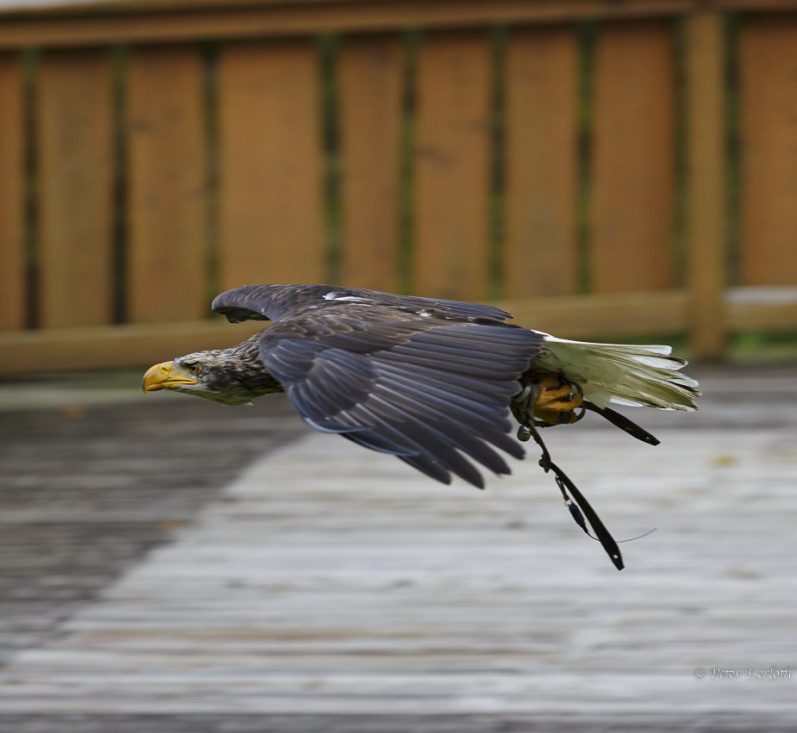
(434, 382)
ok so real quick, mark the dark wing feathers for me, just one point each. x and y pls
(424, 379)
(429, 389)
(275, 302)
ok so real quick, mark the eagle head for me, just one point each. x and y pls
(224, 376)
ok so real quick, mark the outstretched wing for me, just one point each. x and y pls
(431, 391)
(275, 302)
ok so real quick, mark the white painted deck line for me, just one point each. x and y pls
(330, 579)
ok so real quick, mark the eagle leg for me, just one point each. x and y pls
(580, 509)
(522, 407)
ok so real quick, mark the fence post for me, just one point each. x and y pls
(706, 183)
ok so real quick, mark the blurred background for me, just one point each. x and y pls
(605, 170)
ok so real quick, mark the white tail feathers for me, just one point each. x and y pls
(625, 374)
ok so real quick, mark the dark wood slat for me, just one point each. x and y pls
(12, 195)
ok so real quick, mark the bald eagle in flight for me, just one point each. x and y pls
(433, 382)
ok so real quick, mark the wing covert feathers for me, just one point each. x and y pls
(275, 302)
(433, 392)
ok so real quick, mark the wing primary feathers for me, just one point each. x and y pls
(429, 447)
(430, 439)
(427, 466)
(462, 439)
(490, 423)
(458, 424)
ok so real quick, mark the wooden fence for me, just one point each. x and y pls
(604, 168)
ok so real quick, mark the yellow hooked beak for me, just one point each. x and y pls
(165, 376)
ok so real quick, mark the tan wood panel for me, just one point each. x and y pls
(616, 314)
(271, 213)
(106, 347)
(541, 162)
(768, 73)
(167, 192)
(126, 7)
(450, 254)
(633, 164)
(706, 184)
(762, 308)
(295, 18)
(578, 316)
(12, 194)
(370, 83)
(602, 316)
(75, 188)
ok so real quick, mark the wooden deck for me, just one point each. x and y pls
(169, 565)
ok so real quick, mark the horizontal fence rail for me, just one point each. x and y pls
(601, 169)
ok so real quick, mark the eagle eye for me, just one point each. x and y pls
(193, 367)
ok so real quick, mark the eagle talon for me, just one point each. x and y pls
(547, 401)
(550, 390)
(558, 402)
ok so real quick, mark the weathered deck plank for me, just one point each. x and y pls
(330, 588)
(86, 488)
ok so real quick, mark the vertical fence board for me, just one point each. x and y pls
(451, 253)
(541, 162)
(12, 194)
(705, 153)
(768, 73)
(370, 82)
(75, 188)
(166, 257)
(271, 217)
(633, 168)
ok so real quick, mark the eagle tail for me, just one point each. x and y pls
(626, 374)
